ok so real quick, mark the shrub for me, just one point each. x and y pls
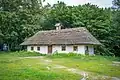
(62, 55)
(25, 54)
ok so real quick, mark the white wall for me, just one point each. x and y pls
(58, 48)
(43, 49)
(69, 48)
(91, 49)
(81, 49)
(28, 48)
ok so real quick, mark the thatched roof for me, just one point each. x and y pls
(64, 36)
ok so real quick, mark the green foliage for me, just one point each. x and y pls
(96, 20)
(60, 55)
(116, 28)
(84, 57)
(25, 54)
(22, 54)
(116, 3)
(22, 19)
(18, 21)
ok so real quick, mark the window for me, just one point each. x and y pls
(87, 50)
(75, 48)
(38, 48)
(32, 48)
(63, 48)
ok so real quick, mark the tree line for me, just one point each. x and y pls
(20, 19)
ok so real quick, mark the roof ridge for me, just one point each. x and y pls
(62, 29)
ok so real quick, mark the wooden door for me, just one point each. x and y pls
(50, 49)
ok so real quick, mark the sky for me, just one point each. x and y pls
(100, 3)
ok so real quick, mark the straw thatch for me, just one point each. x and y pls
(64, 36)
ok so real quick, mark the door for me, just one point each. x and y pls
(86, 50)
(50, 49)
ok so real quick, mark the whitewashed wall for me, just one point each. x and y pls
(28, 48)
(43, 49)
(81, 49)
(69, 48)
(58, 48)
(91, 49)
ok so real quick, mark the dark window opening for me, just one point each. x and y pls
(75, 48)
(63, 48)
(38, 48)
(32, 48)
(87, 50)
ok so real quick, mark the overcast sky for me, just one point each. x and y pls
(100, 3)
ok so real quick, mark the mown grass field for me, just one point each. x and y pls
(20, 66)
(103, 65)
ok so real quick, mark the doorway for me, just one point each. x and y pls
(49, 49)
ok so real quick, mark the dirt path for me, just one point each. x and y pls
(86, 75)
(31, 57)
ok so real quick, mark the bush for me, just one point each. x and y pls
(63, 55)
(25, 54)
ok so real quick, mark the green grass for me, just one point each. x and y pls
(102, 65)
(22, 54)
(13, 66)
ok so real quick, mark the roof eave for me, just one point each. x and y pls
(97, 44)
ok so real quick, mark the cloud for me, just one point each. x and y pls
(101, 3)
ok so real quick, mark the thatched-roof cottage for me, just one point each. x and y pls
(77, 40)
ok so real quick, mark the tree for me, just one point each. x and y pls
(116, 4)
(116, 27)
(96, 20)
(18, 20)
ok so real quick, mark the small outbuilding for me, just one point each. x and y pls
(75, 40)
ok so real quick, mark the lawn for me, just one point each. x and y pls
(103, 65)
(23, 66)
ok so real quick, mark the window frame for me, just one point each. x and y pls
(75, 48)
